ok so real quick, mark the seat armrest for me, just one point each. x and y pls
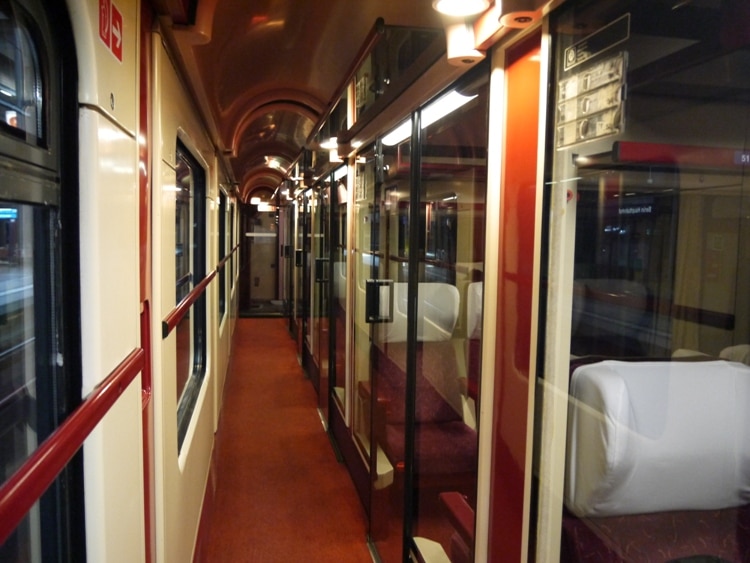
(460, 515)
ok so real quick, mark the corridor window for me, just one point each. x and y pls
(190, 269)
(222, 238)
(20, 78)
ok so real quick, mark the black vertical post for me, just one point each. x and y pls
(411, 330)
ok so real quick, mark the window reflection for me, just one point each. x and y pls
(20, 78)
(18, 372)
(652, 145)
(190, 269)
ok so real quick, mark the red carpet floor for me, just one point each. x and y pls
(281, 495)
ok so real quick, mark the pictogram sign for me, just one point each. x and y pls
(110, 27)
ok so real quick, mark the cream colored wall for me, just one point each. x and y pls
(180, 479)
(110, 304)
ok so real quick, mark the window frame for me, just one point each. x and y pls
(188, 398)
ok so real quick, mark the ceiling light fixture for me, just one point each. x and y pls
(460, 8)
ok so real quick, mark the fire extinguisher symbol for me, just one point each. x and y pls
(104, 23)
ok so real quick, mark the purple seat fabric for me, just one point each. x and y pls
(445, 445)
(658, 537)
(720, 534)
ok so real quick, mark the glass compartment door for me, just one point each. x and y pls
(379, 346)
(320, 288)
(649, 197)
(452, 183)
(339, 238)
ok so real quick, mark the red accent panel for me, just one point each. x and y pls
(19, 493)
(144, 238)
(684, 155)
(513, 383)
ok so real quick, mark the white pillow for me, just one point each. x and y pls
(658, 436)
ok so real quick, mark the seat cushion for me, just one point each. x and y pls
(658, 436)
(441, 448)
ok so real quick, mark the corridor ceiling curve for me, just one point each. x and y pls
(264, 72)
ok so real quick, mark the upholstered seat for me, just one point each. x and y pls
(655, 446)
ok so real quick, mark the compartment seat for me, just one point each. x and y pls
(445, 447)
(658, 461)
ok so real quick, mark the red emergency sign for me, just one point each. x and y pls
(110, 27)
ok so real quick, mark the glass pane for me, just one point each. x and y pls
(301, 262)
(18, 372)
(651, 141)
(339, 239)
(389, 61)
(183, 274)
(222, 242)
(381, 269)
(190, 268)
(321, 244)
(452, 212)
(21, 88)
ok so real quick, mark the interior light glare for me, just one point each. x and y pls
(330, 144)
(430, 114)
(460, 7)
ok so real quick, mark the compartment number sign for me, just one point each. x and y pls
(110, 27)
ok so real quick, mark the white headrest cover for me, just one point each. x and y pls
(738, 353)
(658, 436)
(474, 310)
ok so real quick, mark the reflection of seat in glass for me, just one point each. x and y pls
(446, 447)
(437, 313)
(657, 464)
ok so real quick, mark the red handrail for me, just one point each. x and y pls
(226, 258)
(176, 315)
(19, 493)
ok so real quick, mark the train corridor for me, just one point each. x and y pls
(280, 493)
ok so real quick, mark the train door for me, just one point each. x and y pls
(338, 307)
(418, 253)
(258, 280)
(301, 275)
(647, 331)
(284, 254)
(318, 339)
(447, 271)
(375, 315)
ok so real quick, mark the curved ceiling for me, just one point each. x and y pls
(264, 72)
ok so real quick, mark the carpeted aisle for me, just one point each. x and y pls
(281, 495)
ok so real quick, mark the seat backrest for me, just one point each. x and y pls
(437, 313)
(658, 436)
(474, 310)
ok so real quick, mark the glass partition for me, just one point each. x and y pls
(339, 239)
(379, 346)
(418, 308)
(650, 143)
(453, 183)
(320, 287)
(391, 60)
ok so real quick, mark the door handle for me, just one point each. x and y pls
(379, 301)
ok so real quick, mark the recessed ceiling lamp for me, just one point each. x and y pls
(460, 7)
